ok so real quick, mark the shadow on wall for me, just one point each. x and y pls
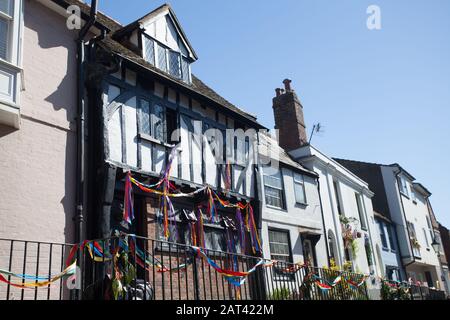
(5, 130)
(52, 34)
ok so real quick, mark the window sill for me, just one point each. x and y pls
(149, 138)
(385, 249)
(275, 208)
(10, 65)
(301, 204)
(9, 114)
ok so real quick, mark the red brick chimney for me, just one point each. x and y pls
(289, 119)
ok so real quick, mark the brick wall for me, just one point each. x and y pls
(289, 120)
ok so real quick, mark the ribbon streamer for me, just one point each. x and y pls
(70, 270)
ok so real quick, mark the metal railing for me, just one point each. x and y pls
(32, 259)
(406, 291)
(150, 269)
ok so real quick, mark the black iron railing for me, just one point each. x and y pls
(394, 290)
(32, 259)
(129, 267)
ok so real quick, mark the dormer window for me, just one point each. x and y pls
(166, 59)
(165, 46)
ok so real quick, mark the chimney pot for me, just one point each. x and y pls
(278, 92)
(287, 85)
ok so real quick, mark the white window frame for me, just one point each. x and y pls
(361, 211)
(403, 186)
(299, 182)
(274, 175)
(11, 67)
(288, 256)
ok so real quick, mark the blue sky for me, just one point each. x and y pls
(382, 95)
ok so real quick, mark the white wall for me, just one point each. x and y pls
(295, 216)
(330, 171)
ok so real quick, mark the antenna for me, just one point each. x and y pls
(316, 129)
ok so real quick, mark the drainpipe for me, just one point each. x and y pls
(79, 216)
(406, 221)
(323, 223)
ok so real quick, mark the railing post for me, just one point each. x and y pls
(195, 273)
(365, 290)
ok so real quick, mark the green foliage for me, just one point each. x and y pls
(280, 294)
(399, 292)
(124, 274)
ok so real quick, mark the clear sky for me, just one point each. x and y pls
(382, 95)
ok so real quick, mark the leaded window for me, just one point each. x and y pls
(185, 70)
(174, 64)
(153, 120)
(162, 59)
(149, 50)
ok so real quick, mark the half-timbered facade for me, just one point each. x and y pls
(149, 110)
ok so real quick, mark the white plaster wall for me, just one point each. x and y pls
(328, 171)
(295, 216)
(37, 162)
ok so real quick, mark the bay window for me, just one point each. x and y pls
(10, 46)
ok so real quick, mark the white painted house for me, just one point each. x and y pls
(345, 198)
(292, 223)
(410, 211)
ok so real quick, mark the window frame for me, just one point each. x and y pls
(151, 119)
(391, 239)
(361, 211)
(184, 63)
(382, 233)
(11, 65)
(337, 194)
(9, 19)
(297, 183)
(403, 186)
(281, 190)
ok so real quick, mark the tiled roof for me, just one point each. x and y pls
(197, 85)
(269, 146)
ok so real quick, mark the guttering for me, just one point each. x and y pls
(406, 222)
(79, 210)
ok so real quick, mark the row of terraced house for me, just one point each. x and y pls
(84, 108)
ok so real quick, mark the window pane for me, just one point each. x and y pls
(174, 64)
(162, 60)
(158, 122)
(4, 39)
(299, 192)
(145, 117)
(185, 69)
(149, 53)
(362, 219)
(382, 235)
(279, 245)
(426, 238)
(273, 197)
(5, 7)
(391, 236)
